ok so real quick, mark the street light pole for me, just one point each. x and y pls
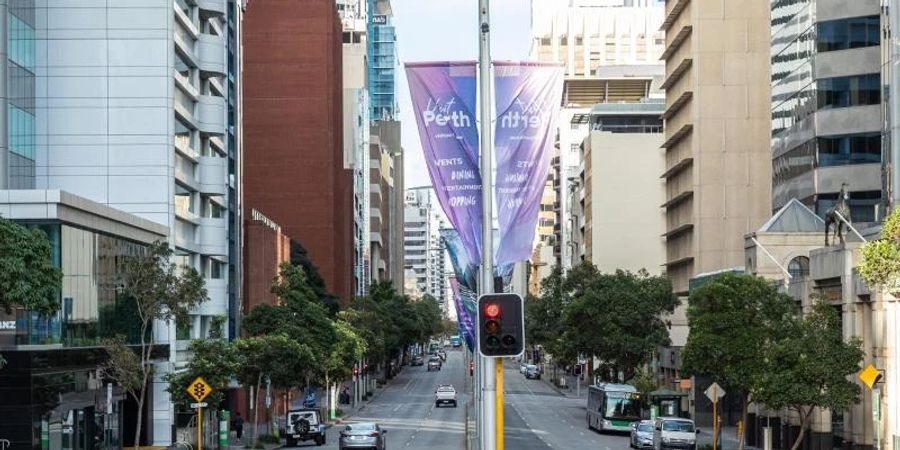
(488, 431)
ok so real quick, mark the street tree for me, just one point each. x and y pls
(810, 368)
(733, 320)
(348, 348)
(881, 258)
(299, 315)
(619, 318)
(28, 277)
(273, 358)
(300, 257)
(543, 318)
(160, 291)
(214, 360)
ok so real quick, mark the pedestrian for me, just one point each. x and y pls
(238, 425)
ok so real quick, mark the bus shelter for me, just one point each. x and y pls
(666, 403)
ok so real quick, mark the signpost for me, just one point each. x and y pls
(199, 389)
(714, 392)
(871, 376)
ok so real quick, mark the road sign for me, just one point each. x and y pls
(714, 392)
(199, 405)
(870, 375)
(199, 389)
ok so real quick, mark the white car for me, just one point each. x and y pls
(674, 433)
(522, 368)
(445, 394)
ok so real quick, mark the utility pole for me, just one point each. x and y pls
(487, 432)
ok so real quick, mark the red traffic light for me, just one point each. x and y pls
(492, 310)
(355, 370)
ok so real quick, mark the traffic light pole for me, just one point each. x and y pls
(486, 366)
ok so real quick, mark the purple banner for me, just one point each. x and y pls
(464, 318)
(528, 97)
(443, 97)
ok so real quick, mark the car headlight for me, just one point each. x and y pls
(607, 424)
(666, 440)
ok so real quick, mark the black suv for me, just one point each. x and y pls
(303, 425)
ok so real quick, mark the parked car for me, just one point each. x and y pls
(303, 425)
(674, 433)
(368, 435)
(523, 367)
(445, 394)
(418, 361)
(642, 434)
(434, 363)
(532, 372)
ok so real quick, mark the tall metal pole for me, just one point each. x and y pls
(488, 432)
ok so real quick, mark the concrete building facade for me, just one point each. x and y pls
(826, 105)
(590, 38)
(424, 251)
(618, 221)
(718, 175)
(293, 116)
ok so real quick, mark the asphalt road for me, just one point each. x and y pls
(537, 417)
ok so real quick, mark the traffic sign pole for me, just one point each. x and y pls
(499, 363)
(200, 428)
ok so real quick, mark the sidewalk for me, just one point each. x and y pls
(728, 439)
(571, 389)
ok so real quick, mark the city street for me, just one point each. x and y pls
(536, 415)
(539, 417)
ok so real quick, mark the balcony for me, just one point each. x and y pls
(211, 53)
(211, 114)
(212, 171)
(186, 172)
(213, 236)
(214, 6)
(185, 148)
(217, 305)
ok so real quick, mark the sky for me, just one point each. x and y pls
(447, 30)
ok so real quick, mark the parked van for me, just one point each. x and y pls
(674, 433)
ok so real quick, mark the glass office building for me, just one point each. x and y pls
(382, 42)
(20, 104)
(53, 396)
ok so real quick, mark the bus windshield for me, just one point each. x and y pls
(622, 405)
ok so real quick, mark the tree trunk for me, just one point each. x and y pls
(804, 423)
(256, 411)
(745, 406)
(140, 414)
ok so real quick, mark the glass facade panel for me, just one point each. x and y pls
(841, 92)
(853, 149)
(21, 132)
(21, 42)
(843, 34)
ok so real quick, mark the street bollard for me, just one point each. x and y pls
(767, 438)
(224, 418)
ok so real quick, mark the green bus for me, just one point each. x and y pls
(613, 407)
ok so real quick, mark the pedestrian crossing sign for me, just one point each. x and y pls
(199, 389)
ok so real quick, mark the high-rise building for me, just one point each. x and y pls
(618, 191)
(386, 203)
(148, 126)
(382, 42)
(356, 130)
(890, 20)
(590, 38)
(826, 105)
(293, 115)
(424, 251)
(718, 175)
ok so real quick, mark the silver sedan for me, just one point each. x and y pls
(366, 435)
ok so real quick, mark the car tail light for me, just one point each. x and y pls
(344, 434)
(373, 434)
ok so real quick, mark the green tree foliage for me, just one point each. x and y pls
(347, 350)
(543, 318)
(811, 367)
(733, 320)
(28, 277)
(214, 360)
(162, 291)
(300, 316)
(881, 259)
(300, 257)
(625, 316)
(276, 358)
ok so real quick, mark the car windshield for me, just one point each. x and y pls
(622, 405)
(645, 427)
(677, 425)
(446, 389)
(360, 427)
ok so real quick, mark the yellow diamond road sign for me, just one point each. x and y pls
(199, 389)
(870, 375)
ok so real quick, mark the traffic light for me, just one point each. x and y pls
(501, 325)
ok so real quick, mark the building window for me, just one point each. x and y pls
(799, 267)
(850, 33)
(853, 149)
(862, 205)
(841, 92)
